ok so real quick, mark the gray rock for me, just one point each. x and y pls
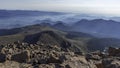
(22, 57)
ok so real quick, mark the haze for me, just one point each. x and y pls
(104, 7)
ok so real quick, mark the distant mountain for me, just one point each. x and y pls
(115, 19)
(98, 27)
(24, 13)
(4, 32)
(61, 26)
(44, 21)
(19, 18)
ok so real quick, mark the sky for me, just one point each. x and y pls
(101, 7)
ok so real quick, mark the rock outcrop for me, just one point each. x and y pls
(114, 51)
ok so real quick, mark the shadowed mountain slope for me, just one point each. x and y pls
(49, 35)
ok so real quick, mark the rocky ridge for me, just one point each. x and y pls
(24, 55)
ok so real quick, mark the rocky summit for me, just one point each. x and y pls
(25, 55)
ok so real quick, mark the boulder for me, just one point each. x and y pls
(21, 57)
(78, 62)
(114, 51)
(111, 63)
(93, 57)
(46, 66)
(2, 57)
(99, 65)
(54, 59)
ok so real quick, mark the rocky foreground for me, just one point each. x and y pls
(24, 55)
